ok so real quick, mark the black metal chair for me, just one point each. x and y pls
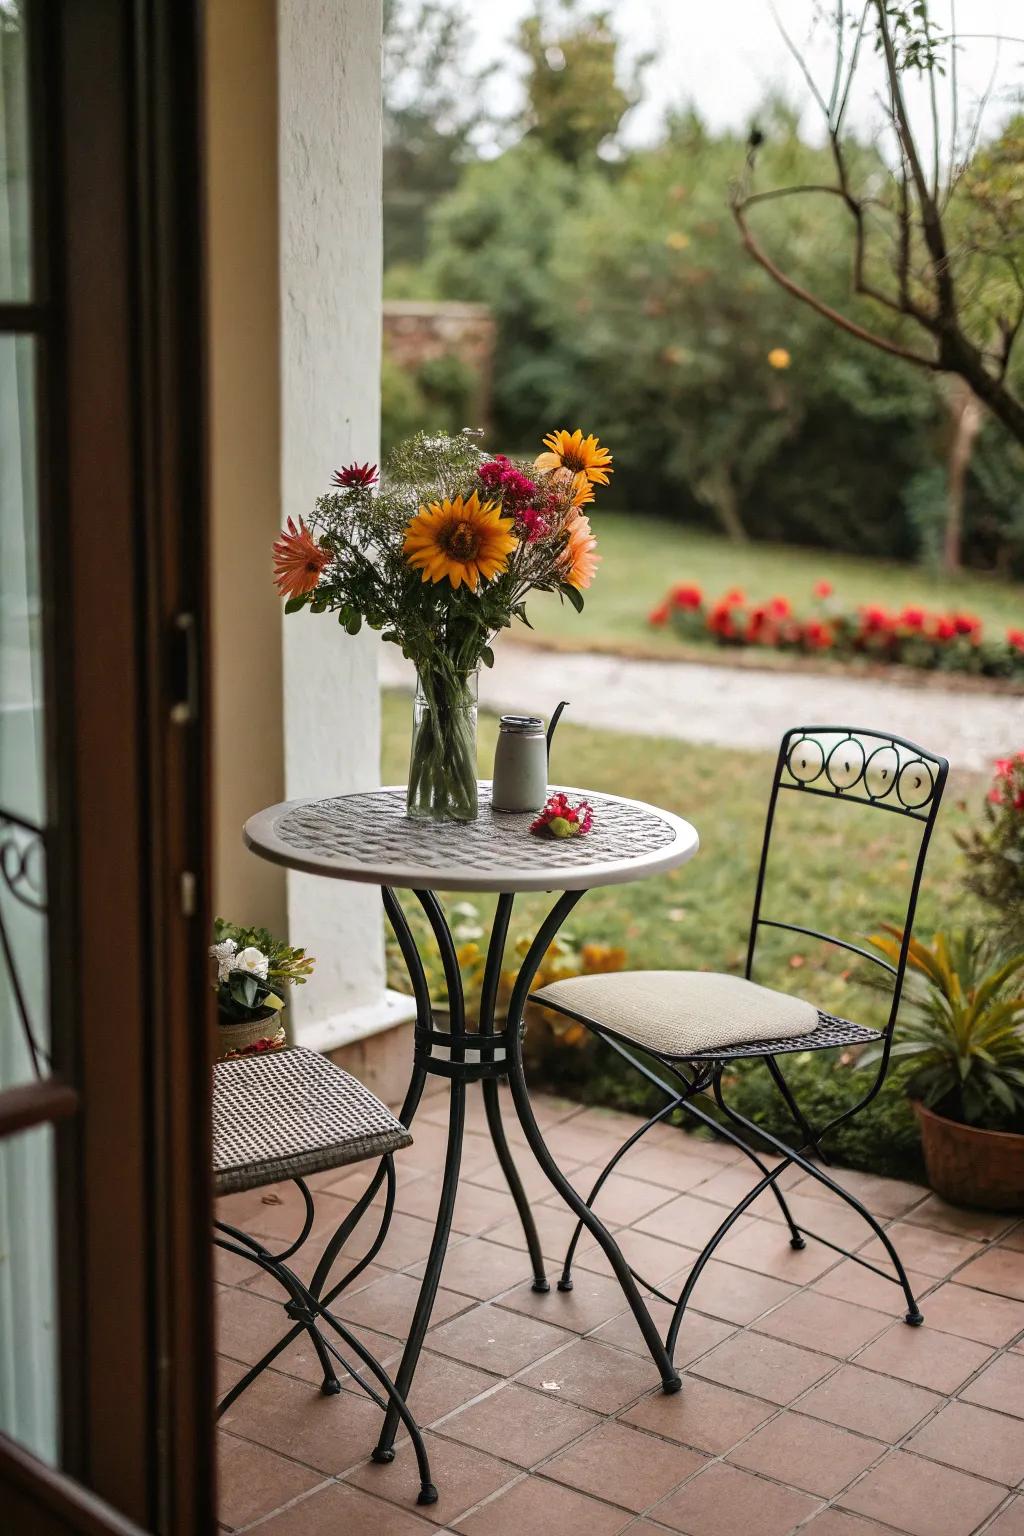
(695, 1023)
(286, 1115)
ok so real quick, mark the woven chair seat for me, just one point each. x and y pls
(698, 1015)
(291, 1113)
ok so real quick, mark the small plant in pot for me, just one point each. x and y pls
(252, 973)
(964, 1042)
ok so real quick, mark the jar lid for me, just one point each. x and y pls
(523, 725)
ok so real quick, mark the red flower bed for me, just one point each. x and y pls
(913, 636)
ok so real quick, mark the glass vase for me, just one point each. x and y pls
(442, 761)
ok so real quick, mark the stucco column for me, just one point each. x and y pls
(329, 112)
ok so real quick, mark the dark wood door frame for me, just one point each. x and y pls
(125, 543)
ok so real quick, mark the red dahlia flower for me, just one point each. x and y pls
(818, 635)
(355, 477)
(1015, 638)
(967, 624)
(561, 818)
(913, 618)
(686, 597)
(658, 616)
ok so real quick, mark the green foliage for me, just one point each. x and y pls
(253, 970)
(995, 851)
(435, 109)
(964, 1037)
(575, 102)
(435, 397)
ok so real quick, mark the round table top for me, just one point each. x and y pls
(368, 837)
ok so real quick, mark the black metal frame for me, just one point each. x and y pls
(486, 1055)
(843, 770)
(309, 1310)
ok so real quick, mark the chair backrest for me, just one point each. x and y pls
(871, 768)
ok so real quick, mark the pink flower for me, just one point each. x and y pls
(561, 818)
(492, 472)
(516, 486)
(531, 524)
(823, 589)
(780, 608)
(355, 477)
(913, 618)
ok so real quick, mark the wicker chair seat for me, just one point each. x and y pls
(698, 1015)
(288, 1114)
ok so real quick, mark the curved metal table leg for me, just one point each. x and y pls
(492, 1103)
(521, 1096)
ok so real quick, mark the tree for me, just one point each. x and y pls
(575, 101)
(937, 248)
(715, 391)
(435, 112)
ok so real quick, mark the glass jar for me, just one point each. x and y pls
(442, 759)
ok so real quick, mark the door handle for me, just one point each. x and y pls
(185, 670)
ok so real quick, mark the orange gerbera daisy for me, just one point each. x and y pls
(581, 455)
(298, 561)
(461, 540)
(580, 557)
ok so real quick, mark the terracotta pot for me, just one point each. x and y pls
(232, 1039)
(967, 1166)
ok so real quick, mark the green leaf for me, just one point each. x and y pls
(354, 623)
(295, 604)
(487, 656)
(574, 595)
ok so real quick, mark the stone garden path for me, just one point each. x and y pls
(736, 706)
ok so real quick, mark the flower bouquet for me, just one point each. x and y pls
(440, 554)
(253, 970)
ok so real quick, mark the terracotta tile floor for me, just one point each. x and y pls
(807, 1404)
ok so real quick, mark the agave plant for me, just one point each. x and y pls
(965, 1034)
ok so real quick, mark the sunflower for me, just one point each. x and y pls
(580, 559)
(462, 540)
(298, 561)
(581, 455)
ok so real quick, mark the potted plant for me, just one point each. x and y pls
(964, 1041)
(252, 973)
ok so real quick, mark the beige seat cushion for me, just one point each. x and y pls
(678, 1013)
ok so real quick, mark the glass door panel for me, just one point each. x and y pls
(15, 209)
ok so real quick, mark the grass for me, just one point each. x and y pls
(643, 556)
(839, 868)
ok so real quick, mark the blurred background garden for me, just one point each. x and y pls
(730, 274)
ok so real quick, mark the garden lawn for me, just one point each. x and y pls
(643, 556)
(836, 869)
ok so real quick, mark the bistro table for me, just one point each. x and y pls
(368, 837)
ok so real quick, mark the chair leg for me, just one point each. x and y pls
(800, 1120)
(565, 1283)
(913, 1314)
(796, 1237)
(384, 1449)
(698, 1085)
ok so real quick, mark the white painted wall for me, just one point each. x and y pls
(329, 83)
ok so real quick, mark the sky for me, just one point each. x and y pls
(724, 55)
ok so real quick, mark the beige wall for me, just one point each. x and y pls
(245, 424)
